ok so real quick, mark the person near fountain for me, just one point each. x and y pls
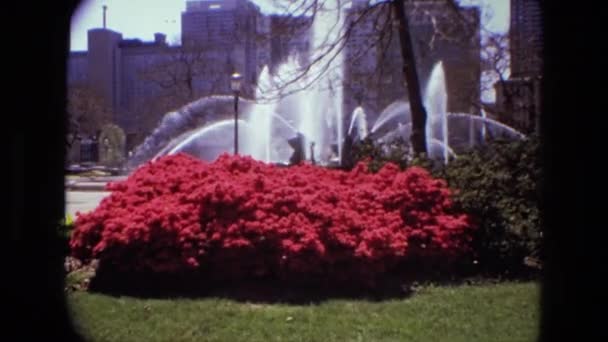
(312, 153)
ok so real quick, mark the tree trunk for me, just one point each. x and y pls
(418, 136)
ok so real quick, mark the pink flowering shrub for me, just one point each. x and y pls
(240, 217)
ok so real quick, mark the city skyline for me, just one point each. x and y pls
(164, 16)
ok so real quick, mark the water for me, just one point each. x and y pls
(439, 131)
(358, 119)
(468, 131)
(483, 129)
(316, 113)
(177, 122)
(402, 131)
(435, 101)
(319, 108)
(210, 141)
(436, 144)
(260, 120)
(399, 110)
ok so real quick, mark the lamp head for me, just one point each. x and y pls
(235, 81)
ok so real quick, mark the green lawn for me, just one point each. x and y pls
(503, 312)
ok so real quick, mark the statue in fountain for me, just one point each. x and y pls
(297, 143)
(347, 152)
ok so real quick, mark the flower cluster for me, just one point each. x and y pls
(243, 217)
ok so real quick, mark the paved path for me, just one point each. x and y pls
(82, 201)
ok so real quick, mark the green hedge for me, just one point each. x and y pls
(499, 184)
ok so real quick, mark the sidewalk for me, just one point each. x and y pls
(90, 183)
(82, 201)
(85, 193)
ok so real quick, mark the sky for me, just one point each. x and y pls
(142, 18)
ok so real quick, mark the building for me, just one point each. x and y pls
(361, 52)
(103, 65)
(234, 29)
(518, 99)
(518, 102)
(526, 38)
(111, 69)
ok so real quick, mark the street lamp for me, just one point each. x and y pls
(235, 84)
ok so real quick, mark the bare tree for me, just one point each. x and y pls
(87, 112)
(387, 25)
(180, 73)
(418, 138)
(495, 59)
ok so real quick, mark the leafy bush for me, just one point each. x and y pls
(498, 185)
(64, 232)
(376, 155)
(111, 146)
(239, 217)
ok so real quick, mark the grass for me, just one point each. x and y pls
(500, 312)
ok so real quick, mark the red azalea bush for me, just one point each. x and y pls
(241, 217)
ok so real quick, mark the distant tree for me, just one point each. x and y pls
(187, 71)
(87, 112)
(495, 57)
(183, 74)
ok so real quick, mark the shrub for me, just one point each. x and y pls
(498, 185)
(396, 151)
(375, 155)
(64, 232)
(239, 217)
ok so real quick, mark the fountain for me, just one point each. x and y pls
(359, 118)
(396, 112)
(176, 123)
(435, 101)
(319, 107)
(316, 98)
(268, 127)
(306, 112)
(445, 134)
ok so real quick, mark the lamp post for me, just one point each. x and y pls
(235, 84)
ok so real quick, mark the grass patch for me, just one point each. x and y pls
(500, 312)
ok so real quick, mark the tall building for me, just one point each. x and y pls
(526, 38)
(518, 99)
(234, 30)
